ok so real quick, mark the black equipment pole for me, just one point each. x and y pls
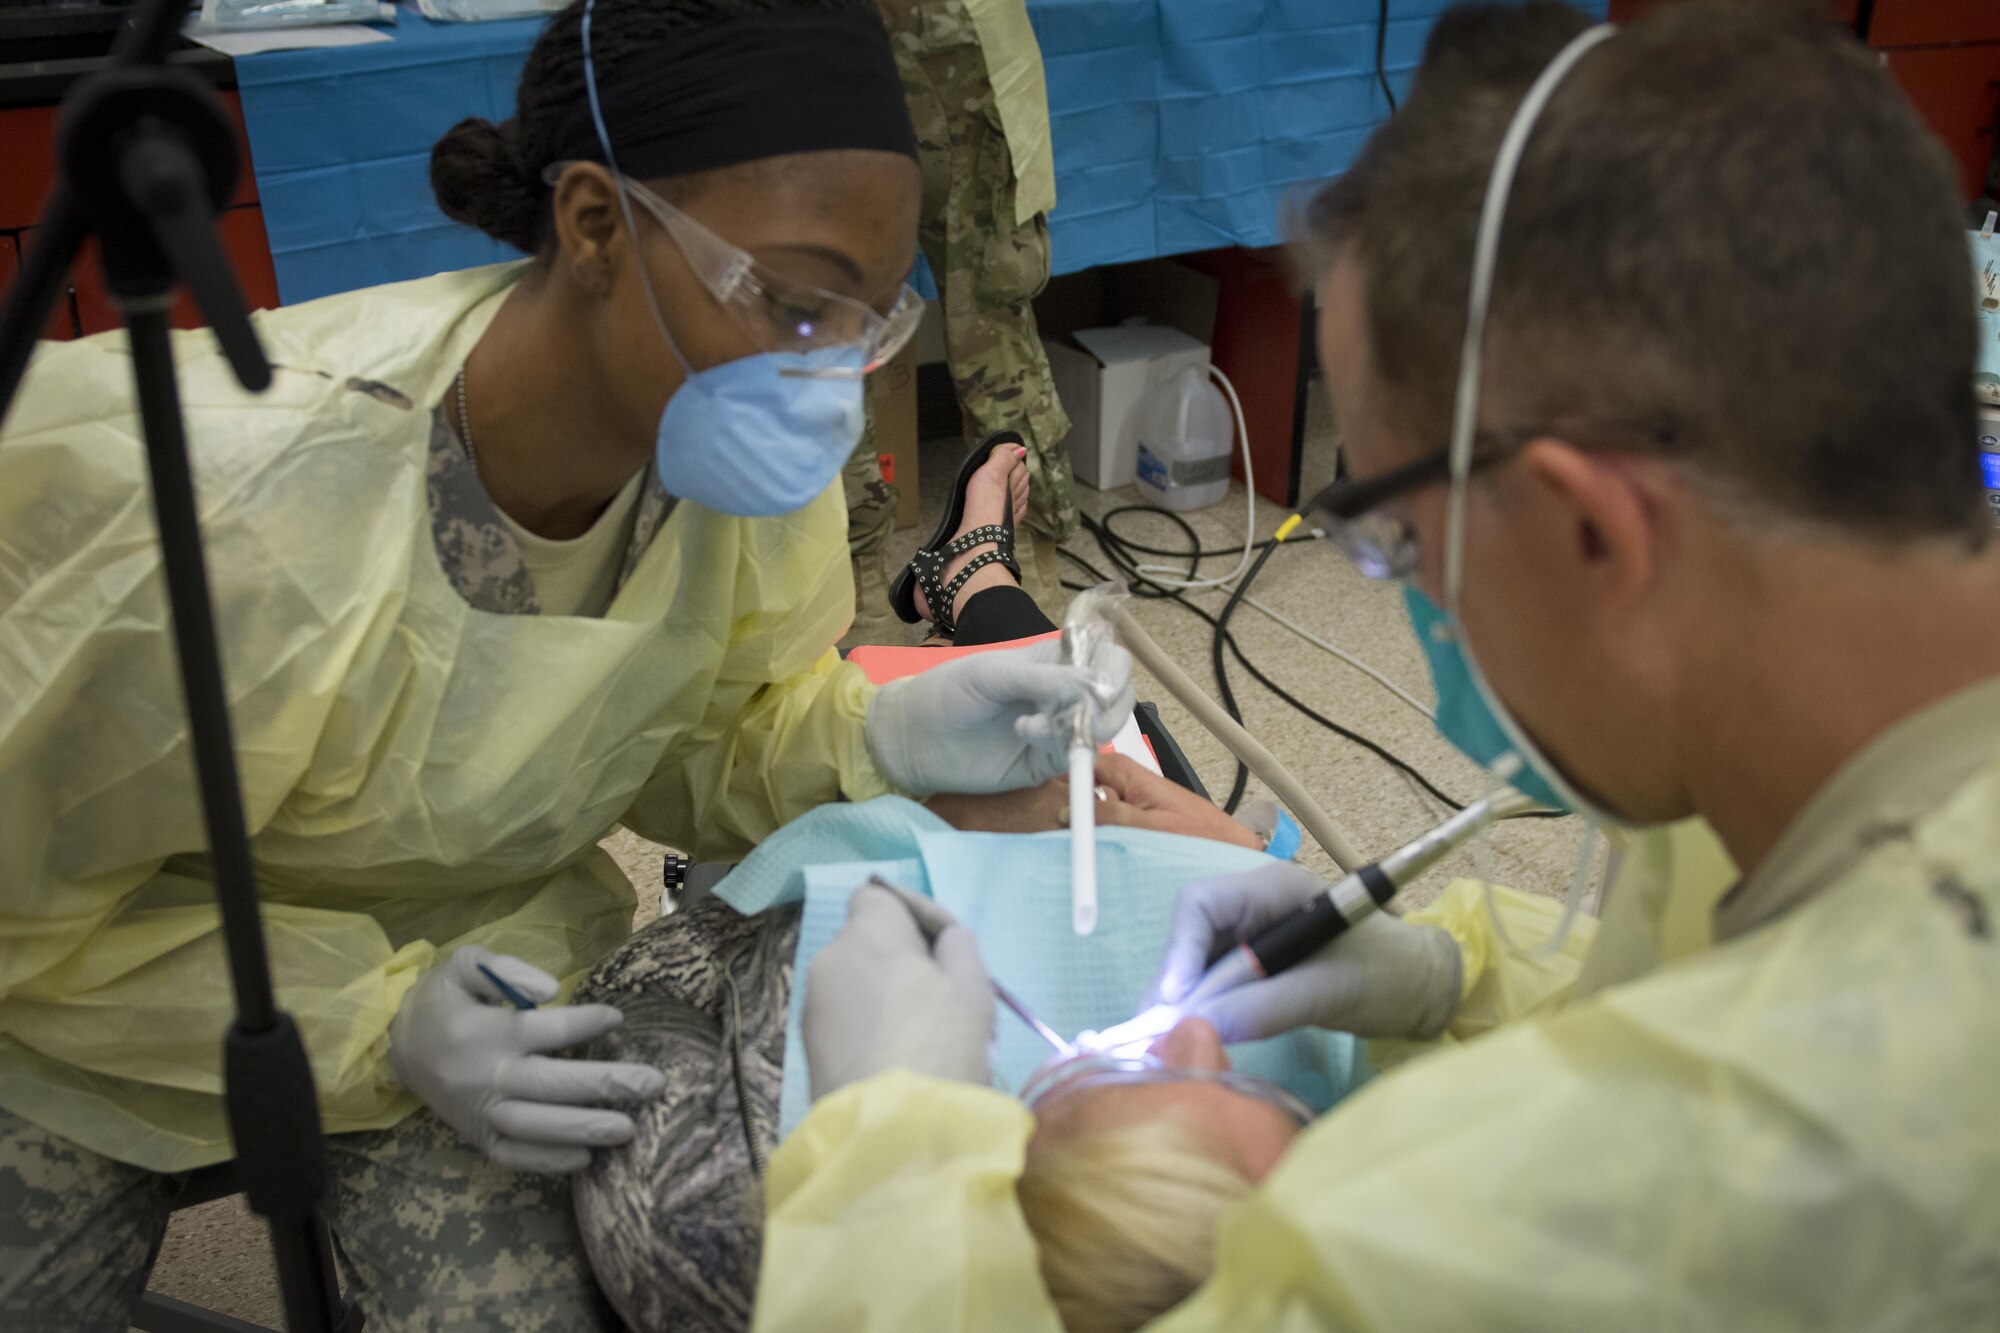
(201, 665)
(147, 160)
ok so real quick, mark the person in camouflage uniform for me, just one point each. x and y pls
(431, 1235)
(674, 1220)
(988, 269)
(871, 516)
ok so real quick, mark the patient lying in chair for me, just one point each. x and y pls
(673, 1220)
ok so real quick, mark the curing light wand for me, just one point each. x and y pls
(1294, 938)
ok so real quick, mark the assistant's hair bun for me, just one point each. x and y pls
(479, 180)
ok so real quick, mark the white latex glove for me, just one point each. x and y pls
(994, 721)
(900, 987)
(1383, 978)
(484, 1066)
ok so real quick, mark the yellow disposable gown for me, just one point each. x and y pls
(1797, 1128)
(417, 774)
(1020, 98)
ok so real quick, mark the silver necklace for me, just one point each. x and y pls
(465, 422)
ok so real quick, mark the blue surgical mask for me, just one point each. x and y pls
(757, 436)
(749, 439)
(1462, 715)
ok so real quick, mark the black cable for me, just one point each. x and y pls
(1215, 645)
(1199, 552)
(1117, 551)
(1381, 45)
(1236, 649)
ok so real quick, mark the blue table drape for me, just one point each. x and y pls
(1178, 125)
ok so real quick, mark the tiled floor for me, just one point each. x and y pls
(215, 1256)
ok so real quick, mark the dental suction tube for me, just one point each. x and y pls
(1241, 743)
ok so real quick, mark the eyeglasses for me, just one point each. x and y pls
(1383, 544)
(1060, 1078)
(782, 314)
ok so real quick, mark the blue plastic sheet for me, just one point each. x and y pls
(1178, 125)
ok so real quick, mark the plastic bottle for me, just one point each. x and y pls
(1186, 433)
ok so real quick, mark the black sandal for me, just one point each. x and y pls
(926, 567)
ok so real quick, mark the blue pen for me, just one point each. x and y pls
(507, 992)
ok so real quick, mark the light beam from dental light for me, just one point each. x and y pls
(1134, 1034)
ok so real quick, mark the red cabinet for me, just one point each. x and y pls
(27, 146)
(1958, 90)
(1933, 22)
(1945, 54)
(1840, 11)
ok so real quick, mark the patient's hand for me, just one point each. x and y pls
(1140, 799)
(1029, 810)
(1135, 798)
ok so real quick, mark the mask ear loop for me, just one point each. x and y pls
(1580, 888)
(688, 374)
(1465, 408)
(1485, 254)
(1464, 423)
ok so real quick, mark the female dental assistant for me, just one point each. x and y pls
(502, 558)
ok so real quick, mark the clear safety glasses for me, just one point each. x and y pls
(1062, 1077)
(1382, 543)
(782, 314)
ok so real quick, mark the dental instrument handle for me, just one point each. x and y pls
(1299, 935)
(1021, 1011)
(1241, 743)
(510, 994)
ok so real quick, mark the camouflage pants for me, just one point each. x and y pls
(988, 268)
(871, 501)
(429, 1233)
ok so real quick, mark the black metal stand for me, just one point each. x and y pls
(147, 159)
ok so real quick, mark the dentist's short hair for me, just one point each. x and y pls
(1730, 230)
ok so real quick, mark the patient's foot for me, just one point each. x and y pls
(998, 488)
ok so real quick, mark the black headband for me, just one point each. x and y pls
(755, 86)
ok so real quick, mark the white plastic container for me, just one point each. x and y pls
(1186, 440)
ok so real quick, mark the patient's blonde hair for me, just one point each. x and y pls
(1125, 1216)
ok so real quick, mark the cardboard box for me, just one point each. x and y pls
(1103, 383)
(892, 398)
(1158, 291)
(1148, 302)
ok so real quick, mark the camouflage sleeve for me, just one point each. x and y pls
(673, 1221)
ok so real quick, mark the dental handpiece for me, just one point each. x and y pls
(1294, 938)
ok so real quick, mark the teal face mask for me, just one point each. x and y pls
(1462, 715)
